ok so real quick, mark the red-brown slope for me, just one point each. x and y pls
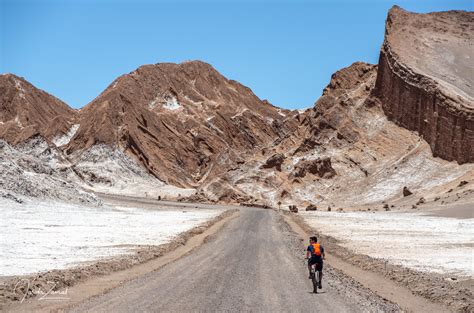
(182, 121)
(26, 111)
(425, 78)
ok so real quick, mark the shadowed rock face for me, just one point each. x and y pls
(425, 79)
(275, 161)
(26, 111)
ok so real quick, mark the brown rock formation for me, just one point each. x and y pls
(425, 78)
(183, 122)
(406, 192)
(275, 161)
(320, 167)
(329, 119)
(26, 111)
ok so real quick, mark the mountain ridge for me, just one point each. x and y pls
(191, 127)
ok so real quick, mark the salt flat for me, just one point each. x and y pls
(45, 235)
(425, 243)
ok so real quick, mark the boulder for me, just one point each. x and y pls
(293, 208)
(406, 192)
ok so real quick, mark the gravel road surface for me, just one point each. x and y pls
(254, 264)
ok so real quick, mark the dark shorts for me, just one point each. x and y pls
(316, 260)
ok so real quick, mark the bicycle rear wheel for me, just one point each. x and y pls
(315, 280)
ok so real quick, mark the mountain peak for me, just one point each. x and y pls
(27, 111)
(179, 118)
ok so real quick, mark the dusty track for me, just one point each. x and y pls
(255, 263)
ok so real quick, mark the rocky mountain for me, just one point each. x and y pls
(425, 78)
(186, 132)
(357, 147)
(181, 121)
(26, 111)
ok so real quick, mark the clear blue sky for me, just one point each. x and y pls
(285, 51)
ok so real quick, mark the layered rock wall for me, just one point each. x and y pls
(416, 103)
(422, 81)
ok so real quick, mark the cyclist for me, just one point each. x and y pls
(315, 255)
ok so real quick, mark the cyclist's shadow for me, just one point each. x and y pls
(319, 292)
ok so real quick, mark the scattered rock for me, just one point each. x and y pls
(196, 197)
(462, 183)
(293, 208)
(311, 207)
(420, 201)
(255, 205)
(284, 193)
(406, 192)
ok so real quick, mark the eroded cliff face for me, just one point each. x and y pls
(425, 82)
(344, 153)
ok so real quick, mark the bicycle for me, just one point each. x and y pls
(315, 277)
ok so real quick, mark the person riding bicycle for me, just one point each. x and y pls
(315, 255)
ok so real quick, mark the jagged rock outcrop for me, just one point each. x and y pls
(319, 167)
(425, 79)
(26, 111)
(329, 119)
(275, 161)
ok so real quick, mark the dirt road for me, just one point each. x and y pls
(254, 264)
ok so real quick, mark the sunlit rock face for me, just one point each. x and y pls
(425, 81)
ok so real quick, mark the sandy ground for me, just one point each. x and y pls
(239, 269)
(46, 235)
(12, 288)
(352, 282)
(424, 243)
(153, 203)
(363, 281)
(104, 276)
(442, 292)
(367, 277)
(463, 211)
